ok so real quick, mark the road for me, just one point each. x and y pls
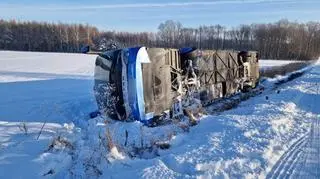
(302, 159)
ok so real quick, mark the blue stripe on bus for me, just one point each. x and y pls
(132, 84)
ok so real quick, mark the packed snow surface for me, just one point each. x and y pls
(45, 130)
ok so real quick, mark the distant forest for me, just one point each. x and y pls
(279, 40)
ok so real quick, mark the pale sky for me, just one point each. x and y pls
(142, 15)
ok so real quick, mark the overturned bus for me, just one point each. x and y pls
(144, 83)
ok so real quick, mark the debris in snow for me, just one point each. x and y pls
(126, 141)
(109, 139)
(163, 145)
(69, 126)
(50, 172)
(192, 118)
(60, 143)
(115, 154)
(183, 126)
(23, 128)
(41, 129)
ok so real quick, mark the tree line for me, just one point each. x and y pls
(34, 36)
(280, 40)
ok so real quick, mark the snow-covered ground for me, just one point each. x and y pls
(275, 134)
(37, 88)
(266, 63)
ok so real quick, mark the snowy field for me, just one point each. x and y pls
(267, 63)
(35, 88)
(275, 134)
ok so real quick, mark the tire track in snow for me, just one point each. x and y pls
(310, 168)
(302, 160)
(292, 168)
(286, 159)
(299, 165)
